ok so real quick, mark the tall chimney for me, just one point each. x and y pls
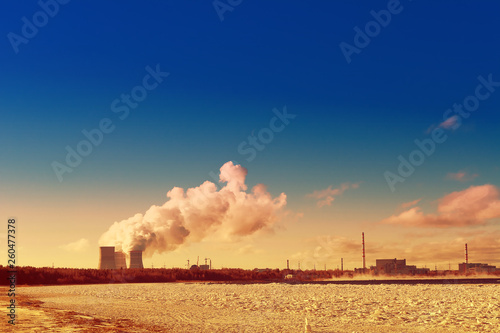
(466, 254)
(363, 240)
(136, 259)
(342, 264)
(107, 257)
(287, 264)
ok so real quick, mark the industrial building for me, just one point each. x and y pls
(136, 259)
(120, 260)
(109, 259)
(477, 268)
(395, 266)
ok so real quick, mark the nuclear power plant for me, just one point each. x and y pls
(120, 260)
(109, 259)
(136, 259)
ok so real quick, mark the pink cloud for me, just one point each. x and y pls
(327, 196)
(461, 176)
(473, 206)
(409, 204)
(450, 123)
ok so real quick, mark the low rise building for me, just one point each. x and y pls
(476, 268)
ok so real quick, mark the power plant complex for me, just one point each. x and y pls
(399, 267)
(111, 259)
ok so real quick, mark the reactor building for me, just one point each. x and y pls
(111, 259)
(107, 257)
(136, 259)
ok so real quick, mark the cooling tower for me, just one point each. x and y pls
(120, 260)
(107, 257)
(136, 259)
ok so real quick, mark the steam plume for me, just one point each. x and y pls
(194, 214)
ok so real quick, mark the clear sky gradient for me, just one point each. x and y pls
(353, 120)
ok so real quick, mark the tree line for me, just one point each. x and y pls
(27, 275)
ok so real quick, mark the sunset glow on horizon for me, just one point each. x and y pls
(253, 136)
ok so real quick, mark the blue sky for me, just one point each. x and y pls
(353, 119)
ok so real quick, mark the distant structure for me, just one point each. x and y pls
(107, 257)
(120, 260)
(136, 259)
(466, 254)
(477, 268)
(395, 266)
(341, 264)
(363, 242)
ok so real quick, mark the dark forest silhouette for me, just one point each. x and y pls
(61, 276)
(28, 275)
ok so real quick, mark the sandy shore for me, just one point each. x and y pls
(179, 307)
(34, 316)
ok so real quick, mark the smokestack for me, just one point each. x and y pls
(107, 257)
(120, 261)
(466, 254)
(364, 263)
(136, 259)
(342, 264)
(287, 264)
